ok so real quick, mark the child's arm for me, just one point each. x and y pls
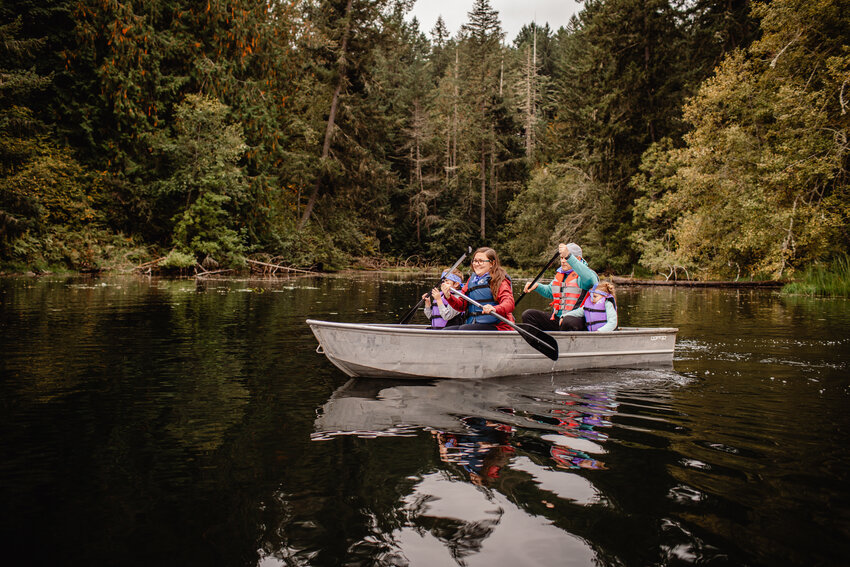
(577, 312)
(447, 311)
(611, 313)
(427, 308)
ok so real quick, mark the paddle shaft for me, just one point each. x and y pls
(540, 275)
(410, 313)
(550, 349)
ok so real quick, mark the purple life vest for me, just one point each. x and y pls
(437, 321)
(595, 315)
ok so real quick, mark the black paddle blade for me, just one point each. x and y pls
(540, 340)
(410, 313)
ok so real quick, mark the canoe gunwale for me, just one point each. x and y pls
(407, 351)
(425, 329)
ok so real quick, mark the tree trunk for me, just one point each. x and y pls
(483, 188)
(326, 147)
(493, 186)
(528, 111)
(530, 97)
(454, 117)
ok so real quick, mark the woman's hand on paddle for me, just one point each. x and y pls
(528, 287)
(487, 309)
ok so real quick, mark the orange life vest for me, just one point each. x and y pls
(566, 293)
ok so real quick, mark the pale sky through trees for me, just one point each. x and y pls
(513, 13)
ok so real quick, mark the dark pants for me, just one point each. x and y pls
(476, 327)
(543, 321)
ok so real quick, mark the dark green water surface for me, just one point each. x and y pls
(157, 422)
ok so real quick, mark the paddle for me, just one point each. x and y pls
(543, 271)
(410, 313)
(537, 339)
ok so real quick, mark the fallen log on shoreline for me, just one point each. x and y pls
(273, 268)
(150, 264)
(696, 283)
(205, 273)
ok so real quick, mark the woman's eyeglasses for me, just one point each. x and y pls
(477, 261)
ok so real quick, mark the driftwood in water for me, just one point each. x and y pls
(205, 273)
(695, 283)
(272, 269)
(150, 264)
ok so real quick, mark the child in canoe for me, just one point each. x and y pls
(440, 313)
(599, 308)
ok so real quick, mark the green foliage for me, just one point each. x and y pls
(202, 230)
(206, 127)
(760, 187)
(202, 156)
(829, 280)
(176, 259)
(85, 248)
(623, 70)
(47, 217)
(539, 215)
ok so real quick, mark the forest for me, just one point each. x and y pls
(696, 139)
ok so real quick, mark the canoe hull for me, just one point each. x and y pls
(414, 351)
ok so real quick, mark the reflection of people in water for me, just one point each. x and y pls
(572, 459)
(489, 445)
(482, 452)
(570, 423)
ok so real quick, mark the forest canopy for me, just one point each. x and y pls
(700, 137)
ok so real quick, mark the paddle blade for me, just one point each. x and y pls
(540, 340)
(407, 316)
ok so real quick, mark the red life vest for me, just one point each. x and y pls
(566, 293)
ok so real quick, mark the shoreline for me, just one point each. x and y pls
(617, 280)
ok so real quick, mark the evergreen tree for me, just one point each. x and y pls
(201, 157)
(45, 194)
(482, 65)
(623, 71)
(761, 186)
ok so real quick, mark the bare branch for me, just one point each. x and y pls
(781, 51)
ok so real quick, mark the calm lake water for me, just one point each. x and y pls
(157, 422)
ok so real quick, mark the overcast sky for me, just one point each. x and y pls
(513, 13)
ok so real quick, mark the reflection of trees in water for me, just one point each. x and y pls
(461, 537)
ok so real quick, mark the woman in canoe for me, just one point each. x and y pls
(567, 292)
(490, 286)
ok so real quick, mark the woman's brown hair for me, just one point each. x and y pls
(497, 272)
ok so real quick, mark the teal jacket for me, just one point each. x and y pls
(587, 278)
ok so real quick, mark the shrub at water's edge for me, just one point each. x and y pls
(831, 280)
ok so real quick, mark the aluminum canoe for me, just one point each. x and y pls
(415, 351)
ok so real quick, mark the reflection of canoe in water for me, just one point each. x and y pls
(414, 351)
(380, 407)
